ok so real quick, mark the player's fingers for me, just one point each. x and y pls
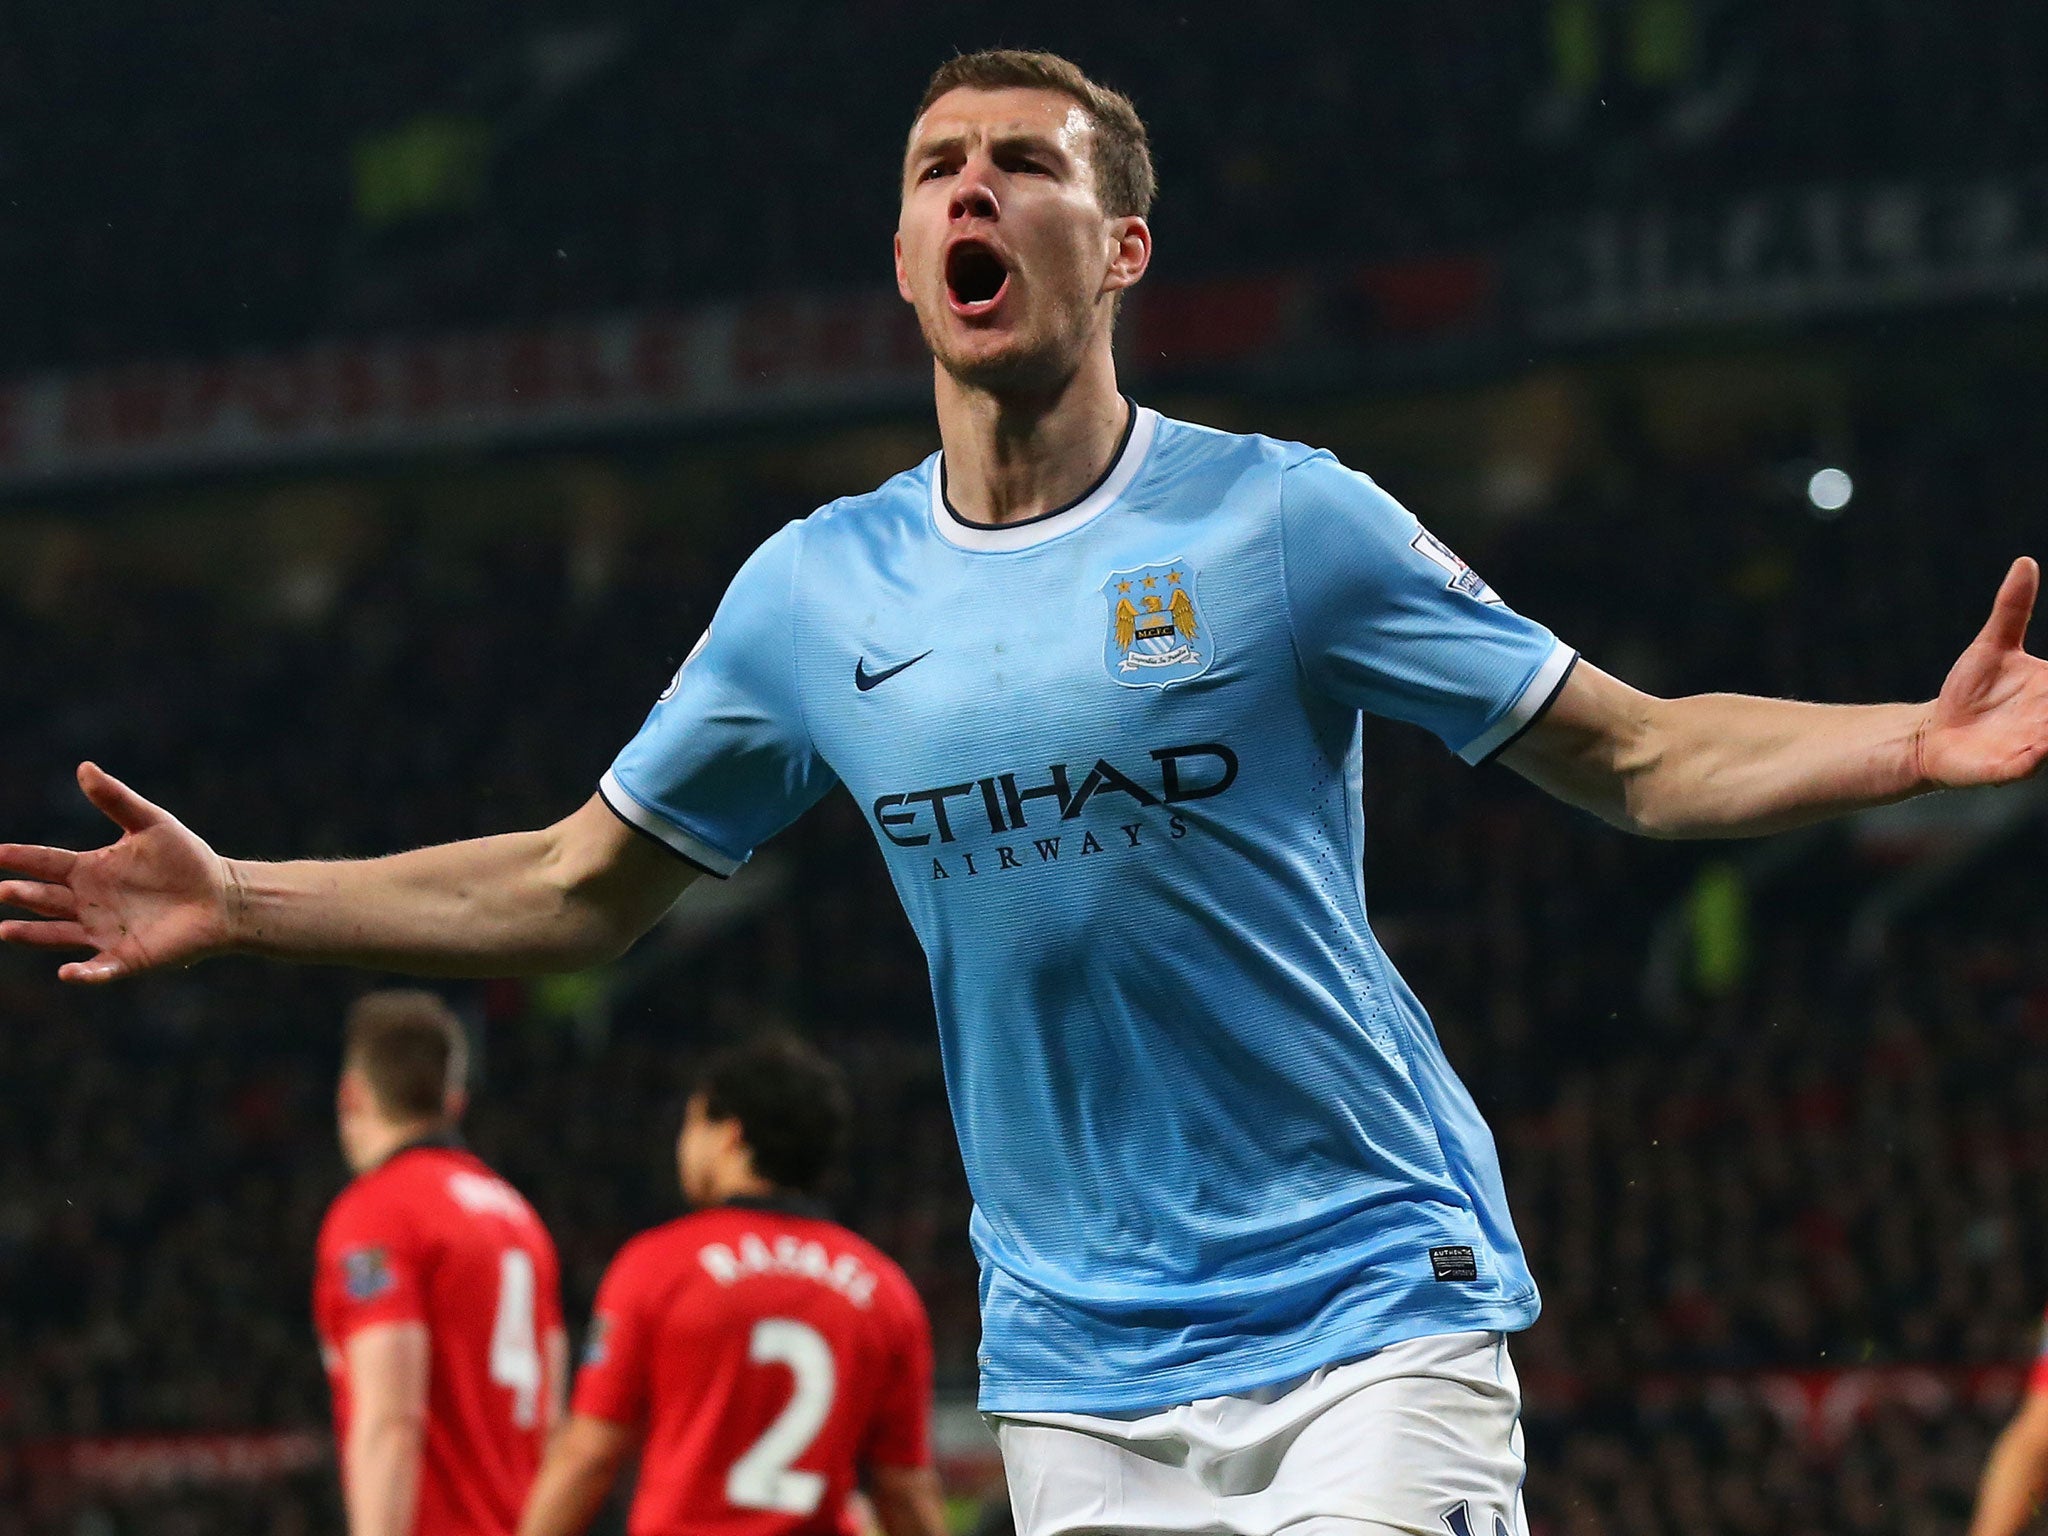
(37, 863)
(116, 801)
(56, 935)
(37, 897)
(100, 968)
(2014, 605)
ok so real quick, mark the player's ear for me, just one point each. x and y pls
(1130, 252)
(455, 1104)
(732, 1138)
(902, 278)
(733, 1151)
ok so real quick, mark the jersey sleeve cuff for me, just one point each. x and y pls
(635, 814)
(585, 1404)
(397, 1315)
(1538, 696)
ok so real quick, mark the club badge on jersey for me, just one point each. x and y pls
(1156, 632)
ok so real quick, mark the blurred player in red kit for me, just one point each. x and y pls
(761, 1358)
(436, 1294)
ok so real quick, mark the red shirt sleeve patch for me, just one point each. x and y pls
(366, 1274)
(369, 1274)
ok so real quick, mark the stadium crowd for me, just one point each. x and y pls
(1797, 1162)
(235, 178)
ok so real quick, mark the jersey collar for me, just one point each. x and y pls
(1116, 479)
(449, 1140)
(782, 1203)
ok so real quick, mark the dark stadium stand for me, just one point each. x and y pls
(238, 179)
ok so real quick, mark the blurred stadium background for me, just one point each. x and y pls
(388, 389)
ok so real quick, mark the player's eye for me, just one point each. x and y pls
(933, 171)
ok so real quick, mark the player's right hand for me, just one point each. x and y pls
(158, 895)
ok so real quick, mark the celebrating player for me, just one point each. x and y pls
(435, 1294)
(756, 1355)
(1095, 678)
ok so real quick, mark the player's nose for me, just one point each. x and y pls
(973, 196)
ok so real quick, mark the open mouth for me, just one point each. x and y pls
(975, 277)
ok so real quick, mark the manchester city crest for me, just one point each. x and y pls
(1157, 634)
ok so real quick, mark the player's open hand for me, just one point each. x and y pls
(155, 896)
(1990, 724)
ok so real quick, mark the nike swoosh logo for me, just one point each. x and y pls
(863, 679)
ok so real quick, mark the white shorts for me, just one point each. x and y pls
(1422, 1438)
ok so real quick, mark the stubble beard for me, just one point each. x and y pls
(1039, 364)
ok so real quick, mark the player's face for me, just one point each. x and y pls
(698, 1151)
(354, 1119)
(1001, 243)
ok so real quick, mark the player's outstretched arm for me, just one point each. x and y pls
(2016, 1475)
(1726, 765)
(560, 898)
(582, 1463)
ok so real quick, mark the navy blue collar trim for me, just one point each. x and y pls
(449, 1140)
(1122, 446)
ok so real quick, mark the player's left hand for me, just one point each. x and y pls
(1990, 724)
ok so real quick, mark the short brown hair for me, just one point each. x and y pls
(1124, 183)
(410, 1049)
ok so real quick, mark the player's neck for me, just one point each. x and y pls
(740, 1183)
(1014, 457)
(388, 1138)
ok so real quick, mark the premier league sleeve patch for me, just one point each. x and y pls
(677, 681)
(1156, 632)
(1462, 577)
(366, 1274)
(597, 1348)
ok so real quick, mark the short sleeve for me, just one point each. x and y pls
(901, 1434)
(2037, 1376)
(724, 761)
(611, 1379)
(370, 1272)
(1388, 620)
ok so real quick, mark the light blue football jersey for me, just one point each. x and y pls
(1111, 757)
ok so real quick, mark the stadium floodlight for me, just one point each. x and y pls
(1829, 490)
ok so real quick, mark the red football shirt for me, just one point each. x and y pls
(766, 1355)
(433, 1236)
